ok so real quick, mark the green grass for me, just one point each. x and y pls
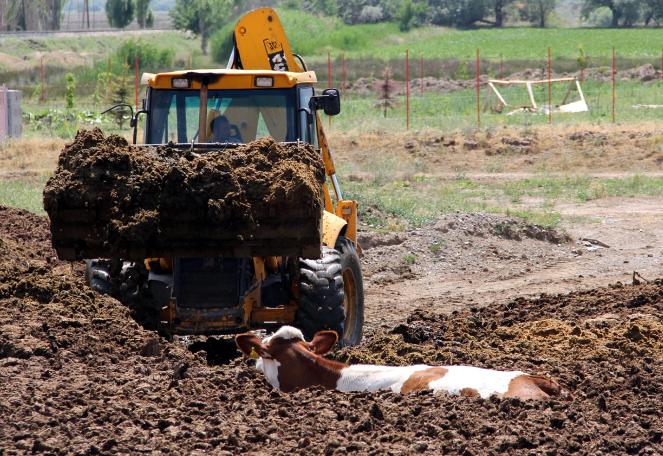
(457, 110)
(97, 46)
(23, 193)
(389, 204)
(516, 43)
(314, 36)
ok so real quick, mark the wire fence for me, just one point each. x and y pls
(405, 94)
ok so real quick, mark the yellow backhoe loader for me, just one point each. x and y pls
(266, 90)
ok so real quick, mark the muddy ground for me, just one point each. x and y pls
(120, 198)
(79, 375)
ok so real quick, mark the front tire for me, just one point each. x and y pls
(353, 286)
(331, 294)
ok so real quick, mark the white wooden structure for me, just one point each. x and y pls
(579, 105)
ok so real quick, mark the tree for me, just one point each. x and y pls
(625, 13)
(201, 17)
(120, 13)
(653, 11)
(498, 10)
(142, 12)
(358, 11)
(538, 11)
(460, 13)
(412, 15)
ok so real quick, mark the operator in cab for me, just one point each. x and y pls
(224, 132)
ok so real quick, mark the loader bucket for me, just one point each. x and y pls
(109, 199)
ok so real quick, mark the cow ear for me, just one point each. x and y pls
(250, 345)
(323, 341)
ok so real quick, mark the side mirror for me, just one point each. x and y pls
(329, 102)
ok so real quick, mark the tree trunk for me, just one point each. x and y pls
(615, 17)
(203, 35)
(499, 13)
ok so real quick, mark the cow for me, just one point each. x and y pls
(290, 363)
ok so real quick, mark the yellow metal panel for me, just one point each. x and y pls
(347, 210)
(262, 44)
(331, 227)
(329, 206)
(231, 79)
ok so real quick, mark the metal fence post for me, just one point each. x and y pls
(478, 83)
(407, 89)
(614, 72)
(549, 88)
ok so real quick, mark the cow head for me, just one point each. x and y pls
(289, 362)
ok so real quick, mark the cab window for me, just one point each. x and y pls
(233, 116)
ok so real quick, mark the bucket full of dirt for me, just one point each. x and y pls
(114, 200)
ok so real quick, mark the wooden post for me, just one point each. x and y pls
(42, 75)
(614, 72)
(549, 88)
(137, 79)
(407, 89)
(478, 71)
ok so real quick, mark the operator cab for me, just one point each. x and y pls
(234, 106)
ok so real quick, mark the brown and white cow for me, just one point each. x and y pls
(289, 363)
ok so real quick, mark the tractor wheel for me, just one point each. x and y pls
(353, 286)
(331, 294)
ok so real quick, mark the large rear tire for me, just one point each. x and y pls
(331, 294)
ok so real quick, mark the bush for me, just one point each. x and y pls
(151, 57)
(351, 10)
(461, 13)
(371, 14)
(600, 17)
(70, 90)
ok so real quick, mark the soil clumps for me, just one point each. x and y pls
(78, 375)
(110, 199)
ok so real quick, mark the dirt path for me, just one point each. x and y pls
(630, 226)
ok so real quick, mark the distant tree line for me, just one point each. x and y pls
(30, 14)
(40, 15)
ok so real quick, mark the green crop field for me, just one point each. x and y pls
(313, 36)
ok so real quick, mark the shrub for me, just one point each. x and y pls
(151, 57)
(70, 90)
(371, 14)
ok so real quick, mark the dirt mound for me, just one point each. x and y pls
(78, 375)
(108, 198)
(604, 346)
(453, 243)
